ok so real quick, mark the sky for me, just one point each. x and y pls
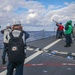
(36, 15)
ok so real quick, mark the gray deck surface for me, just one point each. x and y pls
(44, 63)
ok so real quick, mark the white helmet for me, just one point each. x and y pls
(8, 25)
(17, 22)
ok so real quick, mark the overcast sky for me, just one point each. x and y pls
(36, 14)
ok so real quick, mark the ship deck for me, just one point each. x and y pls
(40, 61)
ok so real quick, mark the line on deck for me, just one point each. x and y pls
(50, 64)
(35, 54)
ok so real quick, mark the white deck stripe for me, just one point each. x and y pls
(32, 56)
(50, 45)
(35, 54)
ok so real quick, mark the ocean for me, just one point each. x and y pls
(34, 35)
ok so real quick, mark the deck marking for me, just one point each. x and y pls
(50, 45)
(35, 54)
(50, 64)
(39, 52)
(32, 56)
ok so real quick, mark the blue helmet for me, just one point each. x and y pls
(60, 22)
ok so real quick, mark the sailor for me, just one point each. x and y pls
(60, 30)
(16, 55)
(5, 41)
(68, 32)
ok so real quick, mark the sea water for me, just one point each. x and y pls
(34, 35)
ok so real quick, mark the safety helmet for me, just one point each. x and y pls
(69, 22)
(60, 22)
(17, 25)
(8, 25)
(17, 22)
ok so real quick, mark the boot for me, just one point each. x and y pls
(66, 45)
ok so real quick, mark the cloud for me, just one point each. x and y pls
(66, 3)
(8, 8)
(63, 14)
(35, 14)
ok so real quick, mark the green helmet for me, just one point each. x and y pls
(69, 22)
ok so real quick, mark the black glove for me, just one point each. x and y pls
(3, 61)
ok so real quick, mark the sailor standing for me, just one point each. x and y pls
(5, 41)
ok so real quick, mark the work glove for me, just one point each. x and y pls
(3, 61)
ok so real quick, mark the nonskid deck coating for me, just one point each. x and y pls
(37, 64)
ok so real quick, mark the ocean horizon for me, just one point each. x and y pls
(34, 35)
